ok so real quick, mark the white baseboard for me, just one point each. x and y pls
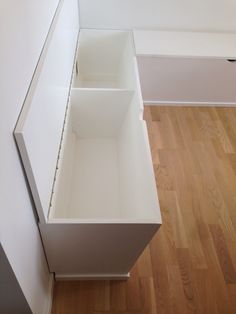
(92, 276)
(48, 306)
(188, 103)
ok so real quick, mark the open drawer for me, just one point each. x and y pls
(85, 150)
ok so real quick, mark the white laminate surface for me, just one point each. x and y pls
(187, 44)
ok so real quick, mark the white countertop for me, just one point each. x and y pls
(188, 44)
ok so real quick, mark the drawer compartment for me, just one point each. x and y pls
(90, 159)
(103, 59)
(103, 170)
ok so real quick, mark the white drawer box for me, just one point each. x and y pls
(187, 67)
(85, 150)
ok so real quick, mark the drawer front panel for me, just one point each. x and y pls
(193, 80)
(95, 249)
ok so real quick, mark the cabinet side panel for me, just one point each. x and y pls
(42, 118)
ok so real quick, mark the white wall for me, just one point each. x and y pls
(24, 26)
(10, 290)
(207, 15)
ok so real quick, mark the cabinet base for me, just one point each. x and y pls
(61, 277)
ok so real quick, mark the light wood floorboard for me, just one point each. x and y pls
(190, 265)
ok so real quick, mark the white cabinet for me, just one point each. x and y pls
(186, 67)
(85, 149)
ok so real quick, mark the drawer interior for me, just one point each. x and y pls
(104, 169)
(103, 59)
(104, 165)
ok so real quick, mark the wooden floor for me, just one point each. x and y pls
(190, 265)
